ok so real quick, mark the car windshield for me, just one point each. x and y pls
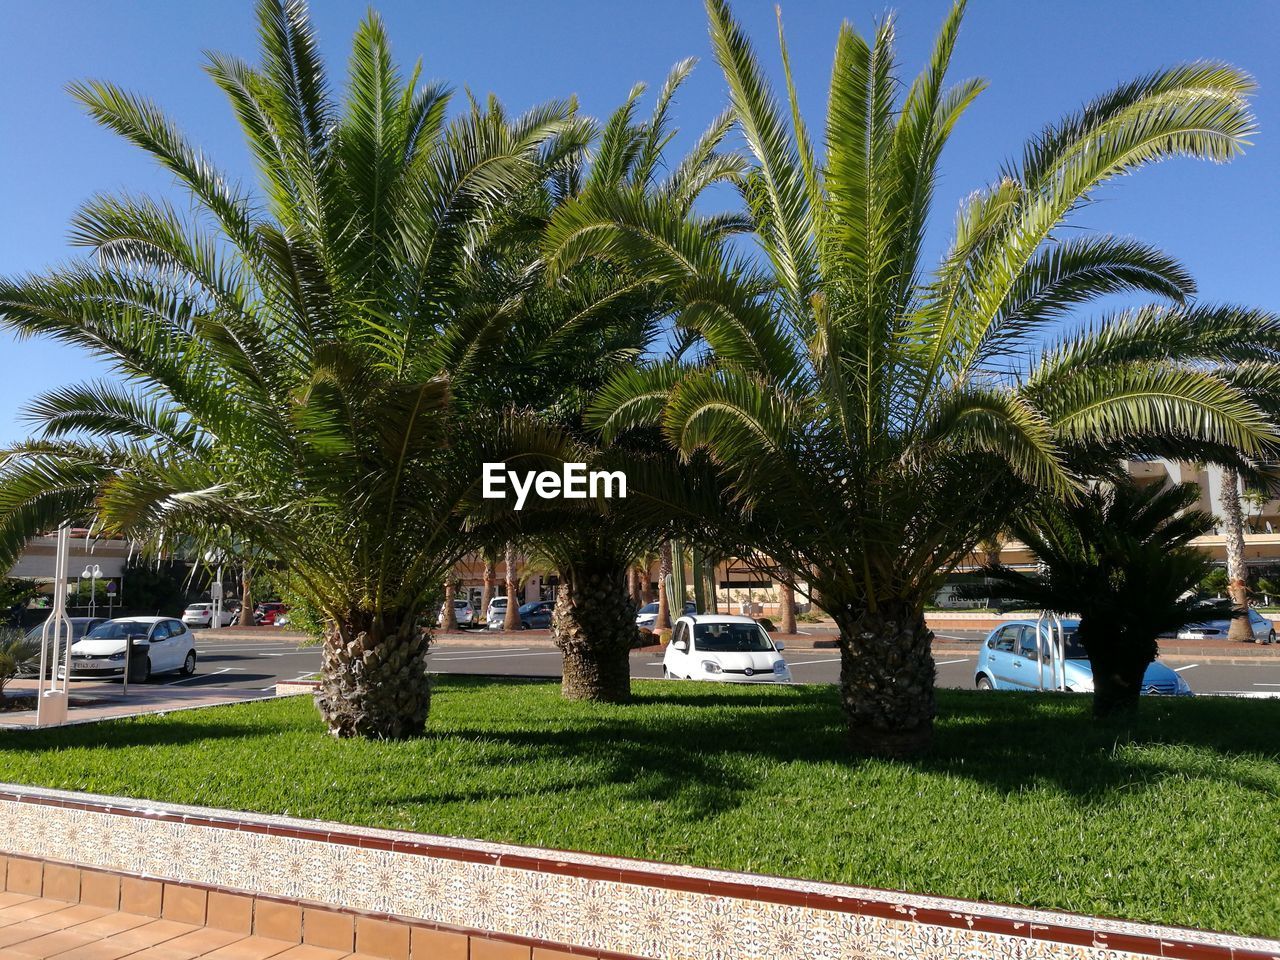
(730, 638)
(78, 628)
(198, 607)
(531, 607)
(119, 630)
(648, 608)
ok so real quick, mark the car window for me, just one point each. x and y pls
(680, 633)
(731, 638)
(175, 627)
(1256, 617)
(162, 631)
(1027, 642)
(1003, 640)
(118, 630)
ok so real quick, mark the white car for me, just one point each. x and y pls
(496, 614)
(726, 648)
(160, 645)
(201, 615)
(462, 611)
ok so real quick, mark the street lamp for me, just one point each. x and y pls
(92, 574)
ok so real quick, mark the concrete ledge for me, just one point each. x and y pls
(551, 899)
(295, 688)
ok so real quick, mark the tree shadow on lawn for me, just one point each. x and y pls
(699, 754)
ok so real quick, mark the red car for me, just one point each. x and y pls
(265, 613)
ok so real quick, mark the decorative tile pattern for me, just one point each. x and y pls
(606, 904)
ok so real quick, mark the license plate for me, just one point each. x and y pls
(93, 665)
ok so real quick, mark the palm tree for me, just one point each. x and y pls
(291, 366)
(1237, 569)
(511, 621)
(490, 576)
(875, 417)
(1121, 557)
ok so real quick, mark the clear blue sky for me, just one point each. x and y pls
(1041, 59)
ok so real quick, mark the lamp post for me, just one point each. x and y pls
(92, 574)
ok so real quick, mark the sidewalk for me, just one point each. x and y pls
(105, 700)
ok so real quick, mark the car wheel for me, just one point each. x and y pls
(984, 682)
(189, 664)
(1271, 637)
(666, 674)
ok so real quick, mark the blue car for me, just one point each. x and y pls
(536, 615)
(1007, 661)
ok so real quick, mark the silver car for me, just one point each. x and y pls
(1261, 627)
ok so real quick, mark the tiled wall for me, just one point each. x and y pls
(601, 906)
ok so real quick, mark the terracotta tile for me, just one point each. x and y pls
(184, 904)
(142, 897)
(61, 882)
(19, 933)
(280, 921)
(482, 949)
(29, 909)
(114, 923)
(97, 950)
(24, 876)
(152, 933)
(72, 915)
(190, 945)
(8, 899)
(100, 889)
(250, 948)
(325, 928)
(438, 945)
(230, 911)
(547, 953)
(49, 945)
(307, 951)
(381, 938)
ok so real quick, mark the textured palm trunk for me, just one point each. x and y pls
(246, 597)
(511, 621)
(788, 613)
(887, 679)
(594, 624)
(646, 584)
(633, 583)
(373, 680)
(663, 619)
(1237, 571)
(1119, 661)
(449, 616)
(486, 589)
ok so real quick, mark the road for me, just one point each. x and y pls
(258, 664)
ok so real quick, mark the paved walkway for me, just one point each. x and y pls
(104, 700)
(31, 927)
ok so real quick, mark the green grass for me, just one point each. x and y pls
(1024, 799)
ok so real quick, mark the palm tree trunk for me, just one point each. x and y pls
(512, 619)
(633, 583)
(449, 616)
(594, 625)
(246, 597)
(788, 612)
(486, 590)
(1119, 663)
(663, 619)
(1237, 571)
(646, 582)
(373, 680)
(886, 678)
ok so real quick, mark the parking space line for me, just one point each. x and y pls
(1189, 666)
(802, 663)
(199, 676)
(943, 663)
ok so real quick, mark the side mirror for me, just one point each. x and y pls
(779, 645)
(681, 645)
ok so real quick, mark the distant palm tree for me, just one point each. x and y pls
(1237, 569)
(1120, 556)
(490, 576)
(511, 620)
(291, 367)
(874, 415)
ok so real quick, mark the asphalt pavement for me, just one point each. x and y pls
(259, 664)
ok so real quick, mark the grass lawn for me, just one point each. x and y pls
(1024, 800)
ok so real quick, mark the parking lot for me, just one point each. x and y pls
(259, 664)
